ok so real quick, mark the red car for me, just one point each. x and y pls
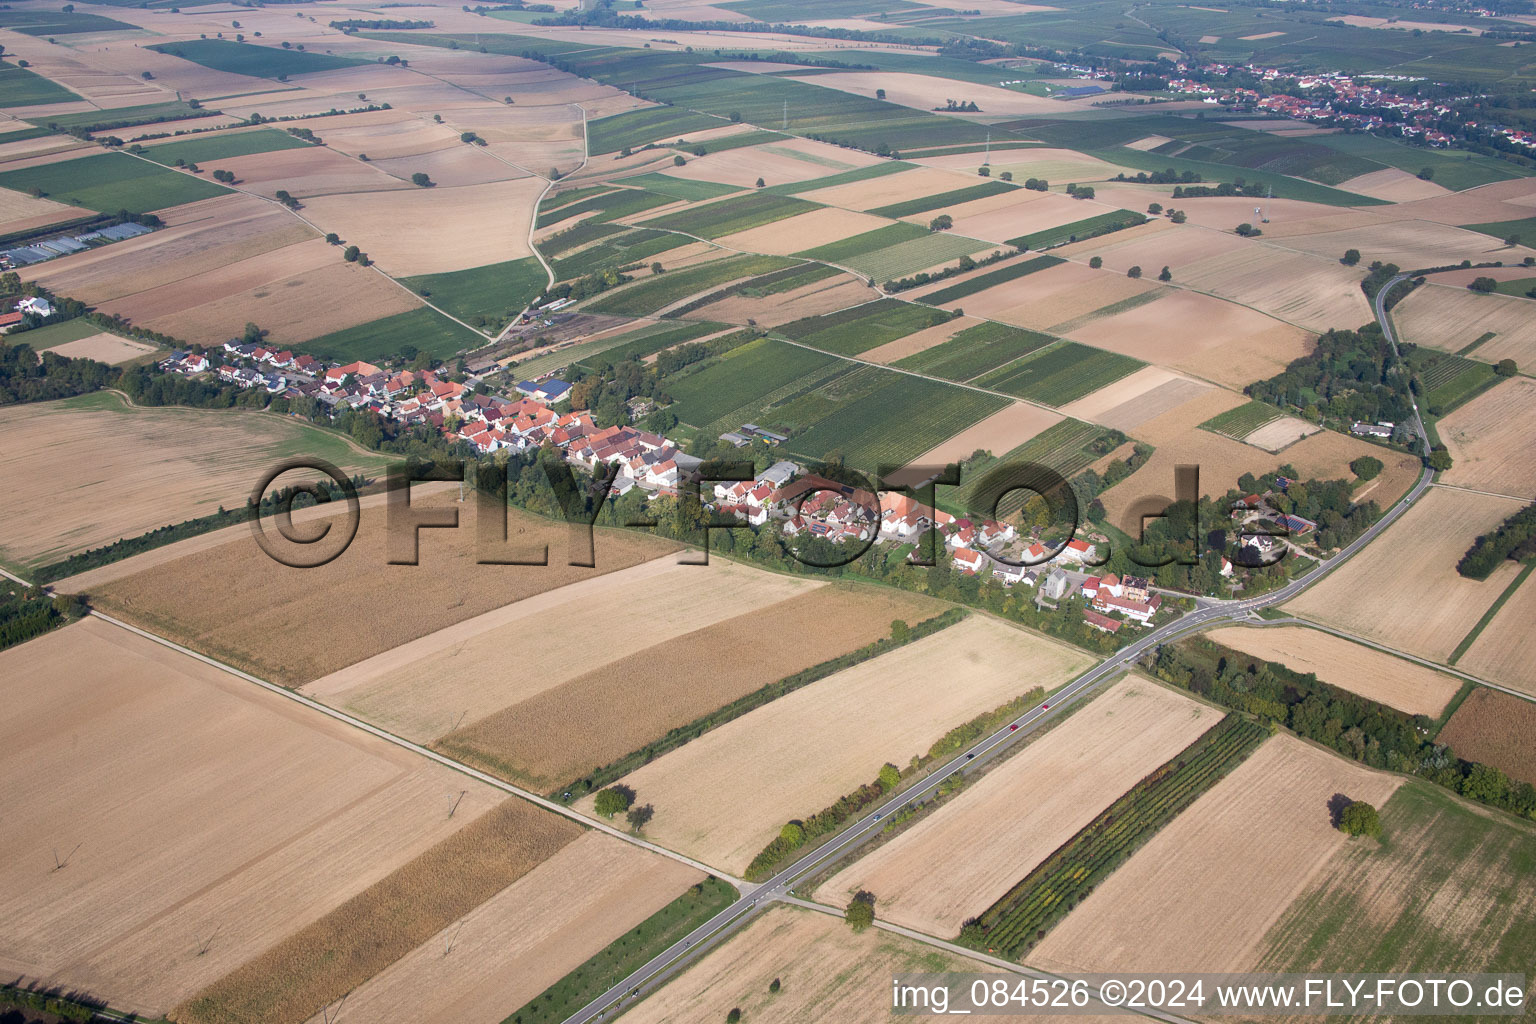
(1045, 707)
(1014, 727)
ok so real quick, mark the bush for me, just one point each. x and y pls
(613, 800)
(1248, 230)
(1166, 275)
(1350, 257)
(1096, 262)
(890, 777)
(985, 172)
(1133, 272)
(421, 180)
(1360, 819)
(861, 910)
(943, 222)
(1506, 368)
(1483, 285)
(1366, 467)
(678, 161)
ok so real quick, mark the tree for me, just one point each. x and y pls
(1366, 467)
(1166, 275)
(1351, 257)
(733, 1016)
(421, 180)
(1512, 241)
(861, 910)
(1084, 192)
(1155, 208)
(146, 76)
(890, 777)
(351, 253)
(613, 800)
(1006, 175)
(332, 239)
(1178, 216)
(943, 222)
(900, 631)
(1426, 174)
(1095, 262)
(1133, 272)
(736, 116)
(657, 268)
(1483, 285)
(985, 172)
(1440, 459)
(639, 817)
(879, 94)
(774, 986)
(761, 183)
(1360, 819)
(1247, 230)
(1506, 368)
(678, 161)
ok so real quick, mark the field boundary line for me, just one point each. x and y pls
(448, 762)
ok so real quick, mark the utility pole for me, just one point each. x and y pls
(786, 115)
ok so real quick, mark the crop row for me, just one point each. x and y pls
(975, 351)
(1062, 374)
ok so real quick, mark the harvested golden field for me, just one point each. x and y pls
(1299, 288)
(1202, 893)
(1408, 243)
(324, 961)
(820, 297)
(999, 828)
(220, 282)
(1232, 345)
(424, 689)
(1131, 401)
(1001, 432)
(1055, 165)
(800, 753)
(1403, 589)
(925, 92)
(1279, 434)
(457, 228)
(828, 974)
(19, 210)
(892, 188)
(208, 818)
(311, 171)
(777, 163)
(1490, 440)
(804, 231)
(1374, 675)
(914, 343)
(1012, 214)
(1394, 185)
(295, 625)
(1494, 728)
(1048, 297)
(1453, 318)
(104, 348)
(600, 715)
(1505, 651)
(1500, 200)
(525, 938)
(384, 134)
(137, 469)
(1153, 245)
(454, 164)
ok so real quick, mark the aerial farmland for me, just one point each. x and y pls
(543, 513)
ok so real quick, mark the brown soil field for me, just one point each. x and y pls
(1298, 288)
(294, 309)
(1393, 185)
(822, 297)
(600, 715)
(805, 231)
(776, 163)
(312, 171)
(1155, 244)
(459, 165)
(267, 623)
(1233, 345)
(1223, 213)
(423, 689)
(925, 92)
(1027, 212)
(104, 348)
(221, 282)
(1505, 651)
(200, 238)
(171, 73)
(800, 753)
(469, 226)
(525, 938)
(384, 134)
(326, 960)
(146, 468)
(1051, 296)
(1058, 166)
(921, 340)
(1489, 439)
(829, 975)
(1501, 200)
(1279, 434)
(140, 131)
(1408, 243)
(1131, 401)
(892, 188)
(210, 815)
(1374, 675)
(1200, 895)
(1496, 729)
(25, 210)
(1403, 589)
(998, 829)
(1453, 318)
(1001, 432)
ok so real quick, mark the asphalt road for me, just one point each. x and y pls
(1207, 612)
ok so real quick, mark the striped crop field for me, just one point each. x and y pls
(975, 351)
(1061, 374)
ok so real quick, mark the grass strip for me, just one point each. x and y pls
(982, 282)
(1482, 623)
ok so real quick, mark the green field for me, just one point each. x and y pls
(487, 297)
(1523, 229)
(1239, 422)
(1088, 227)
(424, 329)
(845, 249)
(22, 88)
(1285, 186)
(1124, 305)
(728, 216)
(656, 293)
(788, 279)
(23, 134)
(620, 250)
(981, 282)
(58, 23)
(861, 328)
(53, 335)
(146, 113)
(1456, 170)
(739, 379)
(574, 238)
(681, 188)
(646, 341)
(905, 258)
(942, 199)
(628, 953)
(975, 351)
(110, 182)
(250, 59)
(638, 127)
(222, 146)
(880, 170)
(807, 10)
(622, 202)
(1016, 922)
(1449, 380)
(1520, 289)
(882, 418)
(1062, 373)
(740, 140)
(1436, 852)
